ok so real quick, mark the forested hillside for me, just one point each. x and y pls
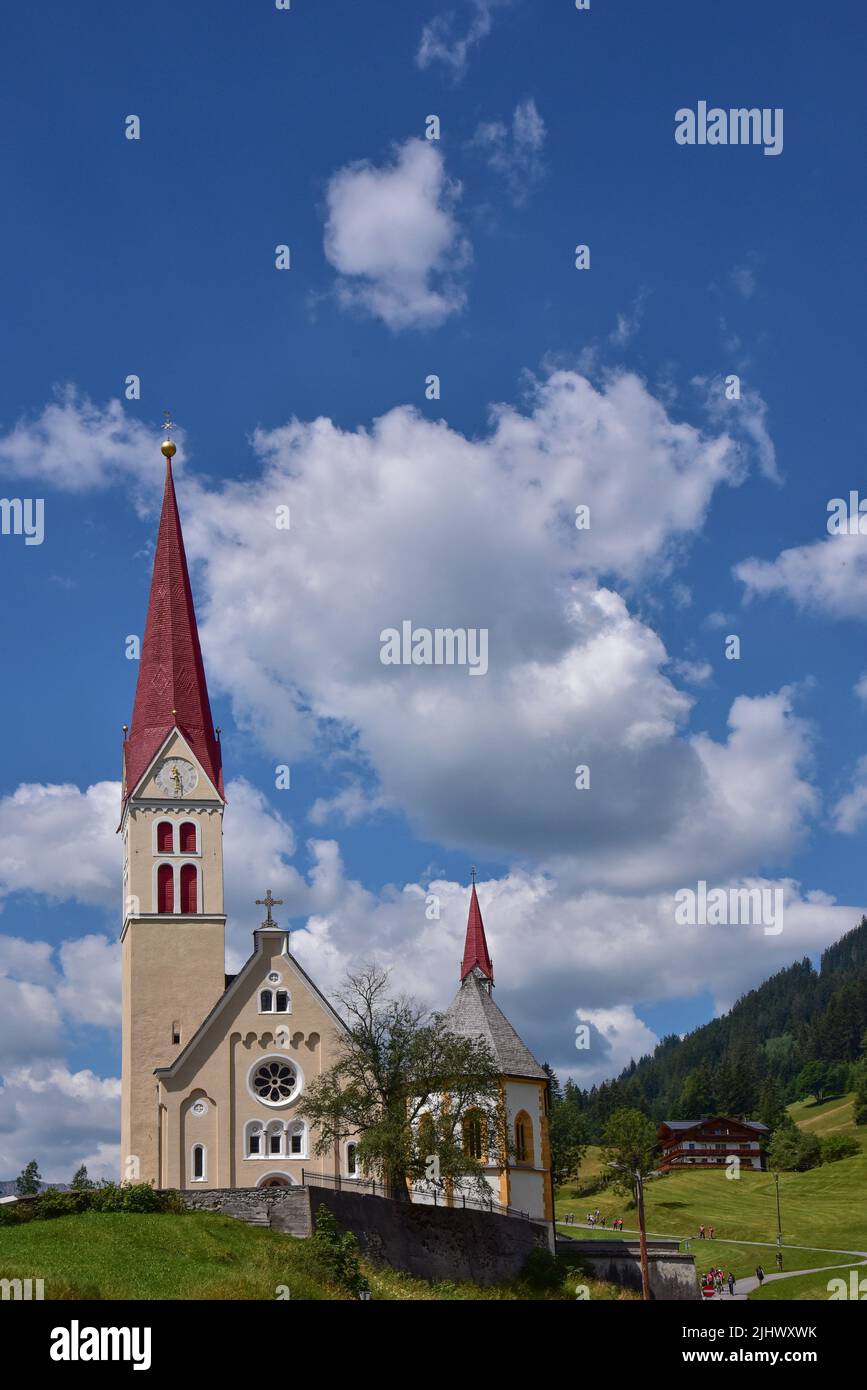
(754, 1059)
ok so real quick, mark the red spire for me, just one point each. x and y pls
(476, 947)
(171, 690)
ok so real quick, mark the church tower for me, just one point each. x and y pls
(173, 959)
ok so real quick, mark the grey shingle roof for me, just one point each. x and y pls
(691, 1124)
(473, 1013)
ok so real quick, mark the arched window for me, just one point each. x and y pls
(188, 837)
(298, 1140)
(472, 1128)
(165, 888)
(189, 884)
(254, 1141)
(281, 1003)
(198, 1163)
(165, 841)
(352, 1160)
(275, 1139)
(265, 1001)
(523, 1137)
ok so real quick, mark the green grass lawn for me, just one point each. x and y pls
(112, 1256)
(202, 1255)
(831, 1117)
(804, 1286)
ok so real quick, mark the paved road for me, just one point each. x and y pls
(744, 1287)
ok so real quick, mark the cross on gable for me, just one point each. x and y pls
(269, 902)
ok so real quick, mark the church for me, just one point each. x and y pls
(214, 1066)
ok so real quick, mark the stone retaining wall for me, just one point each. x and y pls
(672, 1275)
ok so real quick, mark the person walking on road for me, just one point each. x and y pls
(760, 1275)
(731, 1284)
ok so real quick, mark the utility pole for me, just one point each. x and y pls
(642, 1236)
(779, 1224)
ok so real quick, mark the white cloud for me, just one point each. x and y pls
(60, 842)
(851, 809)
(693, 672)
(443, 42)
(90, 992)
(61, 1119)
(348, 806)
(743, 278)
(746, 420)
(29, 1022)
(616, 1036)
(457, 532)
(629, 323)
(562, 952)
(515, 153)
(74, 445)
(826, 576)
(393, 237)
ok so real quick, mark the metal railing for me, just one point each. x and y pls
(428, 1196)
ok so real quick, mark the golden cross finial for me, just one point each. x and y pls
(169, 423)
(473, 872)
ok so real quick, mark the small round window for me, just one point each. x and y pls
(275, 1082)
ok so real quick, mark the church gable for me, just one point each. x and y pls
(270, 1003)
(175, 771)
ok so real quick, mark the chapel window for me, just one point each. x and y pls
(165, 844)
(282, 1001)
(198, 1162)
(265, 1004)
(472, 1128)
(523, 1138)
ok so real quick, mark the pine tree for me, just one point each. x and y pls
(771, 1105)
(80, 1181)
(28, 1181)
(696, 1095)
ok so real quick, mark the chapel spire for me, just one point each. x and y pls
(171, 691)
(476, 947)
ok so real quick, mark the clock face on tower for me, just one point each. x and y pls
(176, 777)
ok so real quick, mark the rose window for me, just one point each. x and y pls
(274, 1082)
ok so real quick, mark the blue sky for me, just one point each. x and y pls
(156, 257)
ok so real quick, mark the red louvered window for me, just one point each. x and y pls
(165, 888)
(188, 837)
(188, 888)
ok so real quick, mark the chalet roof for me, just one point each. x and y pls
(473, 1013)
(715, 1119)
